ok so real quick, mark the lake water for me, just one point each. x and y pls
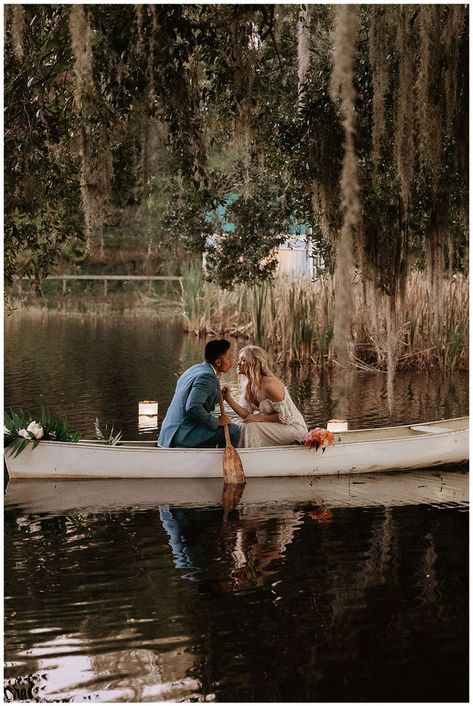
(331, 590)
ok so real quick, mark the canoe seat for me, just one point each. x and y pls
(426, 429)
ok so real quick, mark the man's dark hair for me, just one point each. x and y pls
(214, 349)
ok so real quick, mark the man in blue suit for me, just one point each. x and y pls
(188, 422)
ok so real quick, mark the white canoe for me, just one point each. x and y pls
(358, 451)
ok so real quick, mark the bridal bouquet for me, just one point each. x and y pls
(20, 429)
(318, 438)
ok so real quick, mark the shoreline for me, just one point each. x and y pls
(162, 308)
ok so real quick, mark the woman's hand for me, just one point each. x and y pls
(251, 418)
(226, 393)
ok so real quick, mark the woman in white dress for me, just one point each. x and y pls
(269, 416)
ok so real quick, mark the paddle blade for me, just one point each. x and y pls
(232, 466)
(231, 496)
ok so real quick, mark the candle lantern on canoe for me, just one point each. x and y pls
(337, 425)
(148, 415)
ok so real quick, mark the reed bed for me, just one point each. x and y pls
(293, 318)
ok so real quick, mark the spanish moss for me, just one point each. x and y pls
(18, 30)
(345, 32)
(404, 132)
(378, 40)
(93, 140)
(303, 45)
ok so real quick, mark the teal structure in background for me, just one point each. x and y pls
(295, 255)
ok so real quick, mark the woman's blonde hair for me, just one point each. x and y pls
(257, 366)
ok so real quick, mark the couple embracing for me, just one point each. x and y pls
(267, 414)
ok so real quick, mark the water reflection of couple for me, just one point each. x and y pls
(267, 414)
(231, 554)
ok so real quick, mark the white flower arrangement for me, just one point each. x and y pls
(19, 430)
(35, 430)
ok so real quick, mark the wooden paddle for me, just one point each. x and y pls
(231, 496)
(232, 466)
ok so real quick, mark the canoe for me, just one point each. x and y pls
(437, 488)
(358, 451)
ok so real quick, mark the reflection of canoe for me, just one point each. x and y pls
(390, 489)
(358, 451)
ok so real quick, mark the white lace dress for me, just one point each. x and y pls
(290, 428)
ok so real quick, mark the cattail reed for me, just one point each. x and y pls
(293, 318)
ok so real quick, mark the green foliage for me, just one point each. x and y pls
(193, 102)
(41, 173)
(106, 437)
(56, 430)
(247, 254)
(52, 430)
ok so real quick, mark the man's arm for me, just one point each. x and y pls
(202, 389)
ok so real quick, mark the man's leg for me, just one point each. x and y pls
(235, 432)
(219, 439)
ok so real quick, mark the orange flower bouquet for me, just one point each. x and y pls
(318, 438)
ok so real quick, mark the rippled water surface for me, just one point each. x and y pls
(102, 366)
(324, 590)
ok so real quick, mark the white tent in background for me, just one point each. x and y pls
(295, 256)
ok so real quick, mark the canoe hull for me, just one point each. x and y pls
(373, 454)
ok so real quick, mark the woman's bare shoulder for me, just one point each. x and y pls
(273, 389)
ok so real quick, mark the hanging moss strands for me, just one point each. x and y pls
(378, 51)
(303, 45)
(451, 30)
(97, 165)
(81, 42)
(439, 98)
(325, 149)
(404, 125)
(18, 30)
(139, 24)
(153, 38)
(440, 83)
(345, 32)
(420, 47)
(428, 84)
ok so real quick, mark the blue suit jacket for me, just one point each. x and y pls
(188, 421)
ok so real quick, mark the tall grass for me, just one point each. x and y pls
(293, 318)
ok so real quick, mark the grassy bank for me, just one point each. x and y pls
(294, 319)
(156, 298)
